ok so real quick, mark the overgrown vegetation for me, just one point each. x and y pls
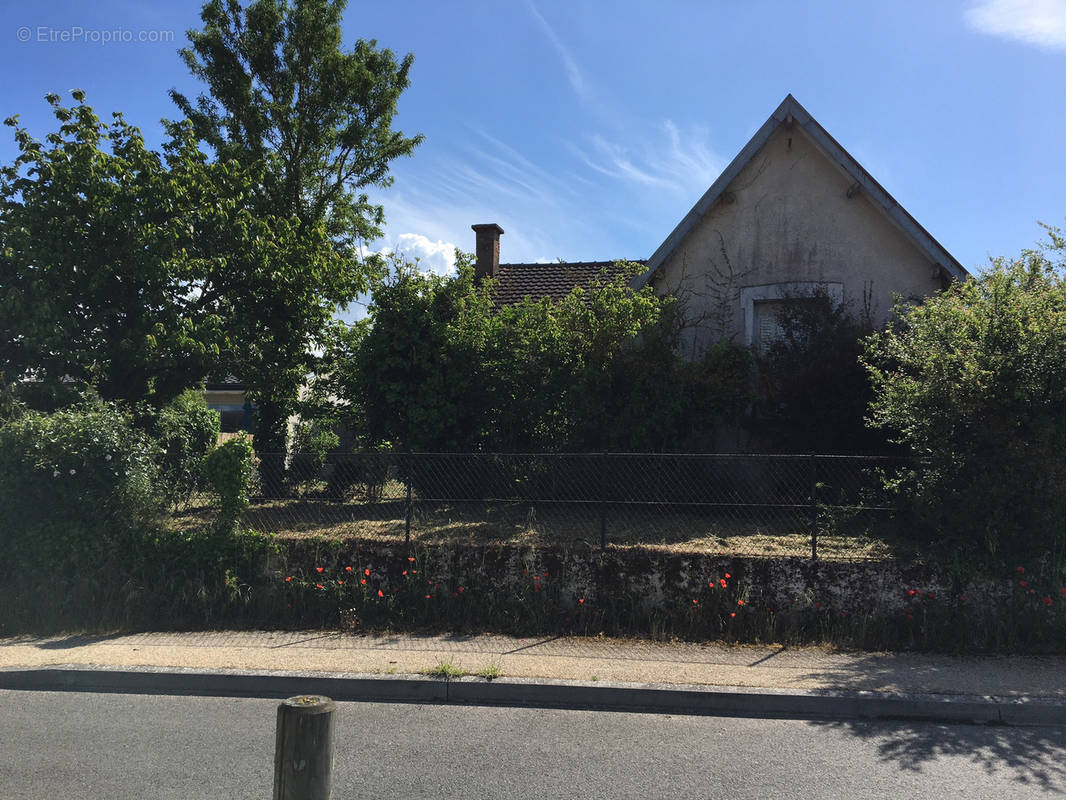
(812, 391)
(973, 381)
(84, 497)
(436, 367)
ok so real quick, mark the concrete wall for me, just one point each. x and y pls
(786, 224)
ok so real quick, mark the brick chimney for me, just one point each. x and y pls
(487, 249)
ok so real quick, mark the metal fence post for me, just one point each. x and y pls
(407, 505)
(303, 749)
(603, 500)
(813, 508)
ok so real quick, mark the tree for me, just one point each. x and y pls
(140, 273)
(284, 93)
(97, 260)
(973, 382)
(413, 371)
(287, 99)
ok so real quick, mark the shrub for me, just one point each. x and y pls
(974, 382)
(186, 430)
(312, 441)
(228, 468)
(73, 476)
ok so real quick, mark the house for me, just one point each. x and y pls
(227, 397)
(793, 215)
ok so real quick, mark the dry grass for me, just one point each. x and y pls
(730, 532)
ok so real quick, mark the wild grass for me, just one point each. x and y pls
(765, 532)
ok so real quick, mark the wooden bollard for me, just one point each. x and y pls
(303, 753)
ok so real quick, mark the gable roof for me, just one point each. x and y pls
(790, 112)
(515, 282)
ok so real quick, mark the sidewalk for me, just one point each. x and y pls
(1017, 682)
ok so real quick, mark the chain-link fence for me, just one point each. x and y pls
(766, 505)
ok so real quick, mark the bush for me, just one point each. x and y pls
(229, 470)
(75, 476)
(974, 383)
(311, 443)
(186, 430)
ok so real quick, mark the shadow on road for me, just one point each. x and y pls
(1034, 757)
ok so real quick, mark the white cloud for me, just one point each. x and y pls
(1039, 22)
(431, 256)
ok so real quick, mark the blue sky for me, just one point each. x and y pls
(588, 129)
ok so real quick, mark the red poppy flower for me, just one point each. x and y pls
(427, 596)
(411, 559)
(728, 575)
(405, 572)
(288, 579)
(910, 592)
(319, 569)
(1023, 583)
(1019, 569)
(722, 583)
(462, 589)
(340, 583)
(362, 581)
(732, 613)
(1046, 601)
(740, 602)
(695, 602)
(380, 593)
(347, 569)
(580, 600)
(318, 585)
(366, 572)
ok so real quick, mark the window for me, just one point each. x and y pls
(764, 305)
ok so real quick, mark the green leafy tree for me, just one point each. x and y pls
(98, 259)
(413, 373)
(973, 381)
(285, 93)
(286, 98)
(141, 273)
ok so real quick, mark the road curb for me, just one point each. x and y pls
(597, 695)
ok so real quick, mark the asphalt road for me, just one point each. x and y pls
(69, 745)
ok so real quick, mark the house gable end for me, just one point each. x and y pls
(792, 115)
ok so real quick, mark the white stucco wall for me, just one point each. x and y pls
(786, 219)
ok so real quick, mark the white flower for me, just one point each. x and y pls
(72, 472)
(107, 457)
(55, 473)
